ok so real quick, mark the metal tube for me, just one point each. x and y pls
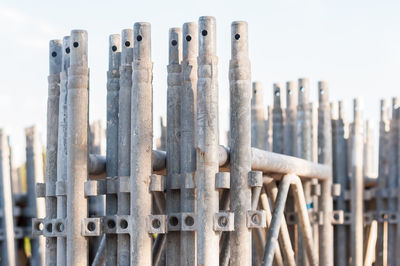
(124, 136)
(357, 187)
(291, 113)
(77, 146)
(173, 142)
(207, 143)
(381, 202)
(188, 132)
(305, 226)
(141, 144)
(62, 148)
(277, 121)
(269, 134)
(7, 245)
(34, 174)
(158, 248)
(258, 125)
(113, 87)
(240, 88)
(55, 58)
(100, 257)
(325, 157)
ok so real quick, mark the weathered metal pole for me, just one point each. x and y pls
(62, 151)
(240, 88)
(7, 244)
(207, 143)
(34, 174)
(277, 121)
(325, 157)
(55, 58)
(113, 87)
(173, 144)
(188, 134)
(291, 113)
(258, 125)
(124, 137)
(357, 188)
(383, 170)
(77, 147)
(141, 144)
(269, 127)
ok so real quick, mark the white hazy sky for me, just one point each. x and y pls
(353, 45)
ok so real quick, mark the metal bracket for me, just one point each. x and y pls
(110, 224)
(123, 224)
(174, 222)
(393, 218)
(156, 224)
(37, 226)
(174, 181)
(92, 226)
(224, 221)
(383, 216)
(336, 190)
(223, 180)
(124, 184)
(189, 221)
(95, 188)
(256, 219)
(189, 180)
(337, 217)
(157, 183)
(315, 190)
(255, 179)
(40, 190)
(61, 188)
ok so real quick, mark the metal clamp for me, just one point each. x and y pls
(256, 219)
(40, 190)
(92, 226)
(255, 179)
(223, 180)
(157, 183)
(336, 190)
(156, 224)
(315, 189)
(174, 222)
(123, 224)
(189, 221)
(95, 188)
(224, 221)
(337, 217)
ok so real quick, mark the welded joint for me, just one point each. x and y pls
(224, 221)
(110, 224)
(123, 224)
(174, 182)
(255, 179)
(223, 180)
(61, 188)
(157, 183)
(256, 219)
(174, 222)
(315, 190)
(336, 190)
(189, 221)
(95, 188)
(156, 224)
(124, 184)
(92, 226)
(189, 180)
(40, 189)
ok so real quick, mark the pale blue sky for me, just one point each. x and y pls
(353, 45)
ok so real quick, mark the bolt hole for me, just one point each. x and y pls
(127, 43)
(336, 216)
(277, 93)
(174, 42)
(256, 219)
(289, 92)
(91, 226)
(60, 227)
(393, 217)
(173, 221)
(39, 226)
(76, 44)
(67, 50)
(114, 48)
(53, 54)
(111, 224)
(188, 38)
(237, 36)
(321, 91)
(123, 224)
(301, 89)
(156, 223)
(189, 221)
(204, 32)
(139, 38)
(49, 227)
(222, 221)
(383, 216)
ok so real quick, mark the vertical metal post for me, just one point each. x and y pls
(291, 113)
(368, 164)
(392, 180)
(188, 134)
(124, 136)
(381, 202)
(325, 157)
(173, 143)
(77, 147)
(55, 58)
(269, 134)
(240, 87)
(34, 174)
(7, 245)
(207, 143)
(62, 149)
(141, 144)
(113, 87)
(357, 188)
(258, 125)
(277, 121)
